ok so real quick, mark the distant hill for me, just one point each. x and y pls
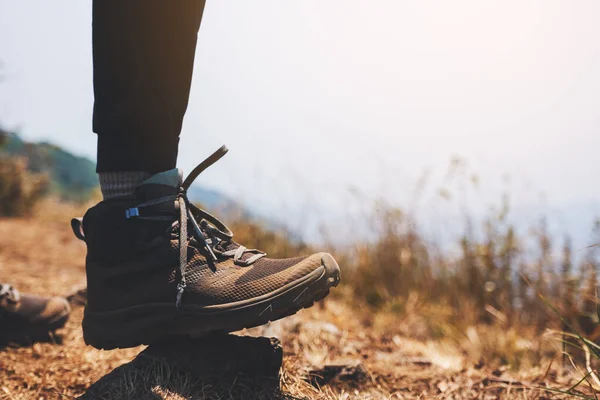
(70, 176)
(215, 201)
(74, 177)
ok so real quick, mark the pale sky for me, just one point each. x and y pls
(314, 96)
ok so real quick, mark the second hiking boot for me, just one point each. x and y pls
(25, 318)
(158, 266)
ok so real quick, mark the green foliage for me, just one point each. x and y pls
(69, 177)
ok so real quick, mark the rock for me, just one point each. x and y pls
(216, 366)
(351, 372)
(317, 328)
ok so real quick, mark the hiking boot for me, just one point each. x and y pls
(158, 266)
(25, 317)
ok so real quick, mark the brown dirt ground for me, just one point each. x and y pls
(40, 255)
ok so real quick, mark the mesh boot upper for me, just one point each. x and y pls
(133, 262)
(233, 283)
(157, 247)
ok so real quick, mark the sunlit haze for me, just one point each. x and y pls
(316, 97)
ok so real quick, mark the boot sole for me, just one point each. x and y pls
(142, 325)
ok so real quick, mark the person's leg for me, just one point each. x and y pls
(158, 266)
(143, 54)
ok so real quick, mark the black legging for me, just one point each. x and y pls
(143, 61)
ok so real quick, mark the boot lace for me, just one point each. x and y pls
(214, 237)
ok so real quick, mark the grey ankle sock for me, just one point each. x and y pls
(119, 184)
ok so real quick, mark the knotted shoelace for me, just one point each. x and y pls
(212, 234)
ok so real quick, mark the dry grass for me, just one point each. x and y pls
(413, 350)
(404, 355)
(20, 190)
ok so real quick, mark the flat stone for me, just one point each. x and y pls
(216, 366)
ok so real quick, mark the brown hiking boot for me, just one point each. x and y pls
(158, 266)
(25, 317)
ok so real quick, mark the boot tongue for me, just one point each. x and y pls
(163, 184)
